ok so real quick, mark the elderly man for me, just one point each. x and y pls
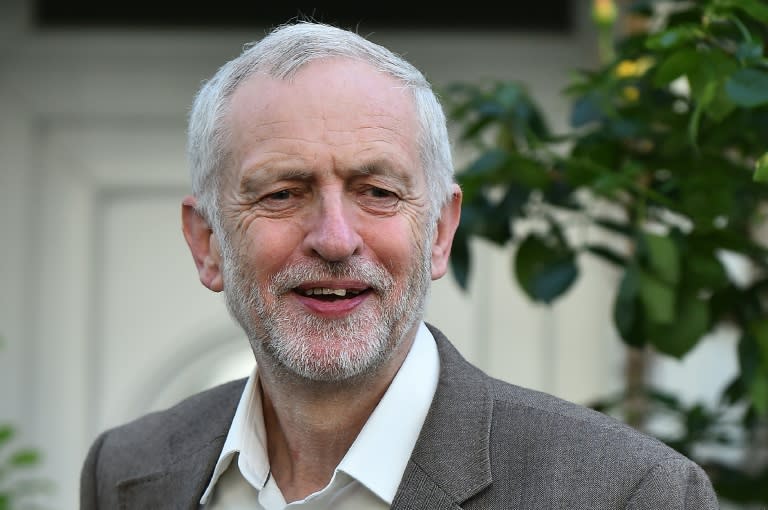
(323, 204)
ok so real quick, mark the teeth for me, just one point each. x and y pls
(327, 292)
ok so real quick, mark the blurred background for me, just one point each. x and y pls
(102, 317)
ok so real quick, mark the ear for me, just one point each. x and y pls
(203, 245)
(446, 228)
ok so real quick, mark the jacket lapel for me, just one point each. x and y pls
(451, 461)
(184, 483)
(193, 450)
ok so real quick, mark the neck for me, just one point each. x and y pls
(310, 425)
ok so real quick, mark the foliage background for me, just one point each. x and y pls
(656, 178)
(20, 484)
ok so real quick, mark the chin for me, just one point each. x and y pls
(341, 351)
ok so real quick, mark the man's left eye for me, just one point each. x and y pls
(281, 200)
(381, 193)
(280, 195)
(378, 199)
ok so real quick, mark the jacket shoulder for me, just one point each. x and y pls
(549, 414)
(595, 457)
(182, 438)
(535, 450)
(155, 439)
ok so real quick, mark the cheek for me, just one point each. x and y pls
(267, 246)
(396, 245)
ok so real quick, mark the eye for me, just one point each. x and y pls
(282, 199)
(382, 193)
(378, 199)
(283, 194)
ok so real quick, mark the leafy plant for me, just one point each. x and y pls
(656, 177)
(17, 490)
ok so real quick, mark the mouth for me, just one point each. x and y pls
(333, 298)
(330, 293)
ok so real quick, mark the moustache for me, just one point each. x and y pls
(358, 269)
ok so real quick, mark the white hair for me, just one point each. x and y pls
(280, 55)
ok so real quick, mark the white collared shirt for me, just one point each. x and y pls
(370, 472)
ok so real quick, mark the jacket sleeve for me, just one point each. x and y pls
(674, 484)
(89, 484)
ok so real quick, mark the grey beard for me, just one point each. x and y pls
(350, 348)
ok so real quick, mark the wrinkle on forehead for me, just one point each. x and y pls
(334, 103)
(332, 83)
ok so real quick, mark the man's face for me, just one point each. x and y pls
(326, 261)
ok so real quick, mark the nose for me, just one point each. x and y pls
(332, 234)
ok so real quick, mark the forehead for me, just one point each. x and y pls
(334, 103)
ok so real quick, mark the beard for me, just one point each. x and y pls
(322, 349)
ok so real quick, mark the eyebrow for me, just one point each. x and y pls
(382, 168)
(260, 177)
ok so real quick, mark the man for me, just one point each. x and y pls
(323, 204)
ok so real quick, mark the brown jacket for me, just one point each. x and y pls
(485, 444)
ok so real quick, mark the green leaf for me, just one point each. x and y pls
(489, 162)
(489, 169)
(586, 109)
(749, 357)
(607, 254)
(544, 270)
(627, 312)
(694, 123)
(714, 66)
(755, 8)
(490, 108)
(705, 271)
(499, 167)
(759, 331)
(758, 392)
(705, 72)
(510, 94)
(460, 259)
(473, 130)
(479, 217)
(617, 227)
(720, 106)
(734, 391)
(668, 400)
(707, 193)
(761, 169)
(529, 172)
(6, 433)
(748, 88)
(705, 79)
(676, 65)
(681, 335)
(673, 37)
(658, 298)
(608, 183)
(750, 51)
(512, 204)
(25, 458)
(663, 257)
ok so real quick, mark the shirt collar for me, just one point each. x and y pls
(380, 453)
(247, 436)
(388, 436)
